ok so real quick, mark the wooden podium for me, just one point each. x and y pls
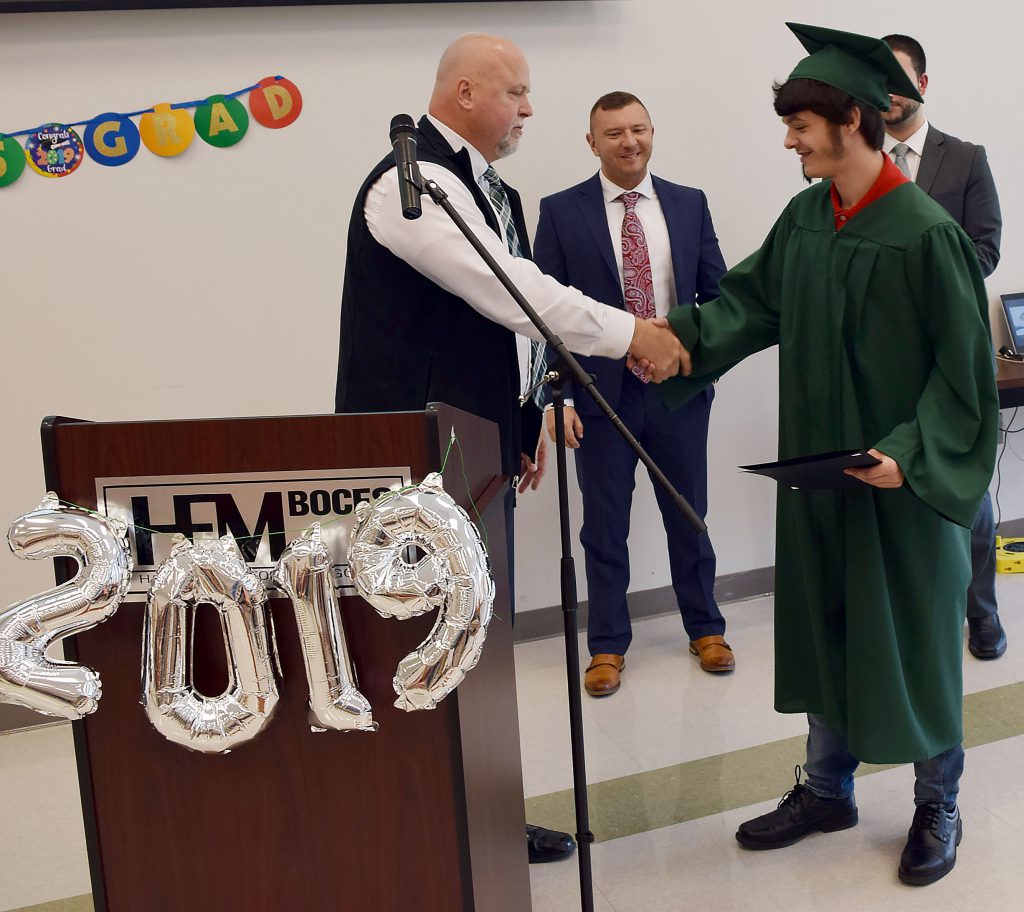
(425, 814)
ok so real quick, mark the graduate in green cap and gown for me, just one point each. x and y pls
(875, 299)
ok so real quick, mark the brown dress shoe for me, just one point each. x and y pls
(714, 653)
(602, 677)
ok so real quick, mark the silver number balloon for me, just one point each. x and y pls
(306, 572)
(210, 572)
(27, 629)
(413, 551)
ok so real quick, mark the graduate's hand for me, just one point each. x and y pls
(887, 474)
(572, 423)
(531, 471)
(657, 350)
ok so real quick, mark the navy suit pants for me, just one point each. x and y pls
(606, 469)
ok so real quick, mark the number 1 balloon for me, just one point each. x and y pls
(306, 572)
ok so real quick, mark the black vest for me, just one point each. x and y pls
(406, 341)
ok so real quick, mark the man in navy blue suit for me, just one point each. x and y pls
(632, 240)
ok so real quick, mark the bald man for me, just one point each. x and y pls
(422, 315)
(424, 320)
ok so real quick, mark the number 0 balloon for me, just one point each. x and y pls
(212, 573)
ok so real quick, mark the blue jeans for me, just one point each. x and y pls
(830, 767)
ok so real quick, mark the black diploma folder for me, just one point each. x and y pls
(821, 470)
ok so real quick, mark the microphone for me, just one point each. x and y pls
(403, 141)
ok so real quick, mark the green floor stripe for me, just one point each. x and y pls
(74, 904)
(993, 715)
(674, 794)
(663, 797)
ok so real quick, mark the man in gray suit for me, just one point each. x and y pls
(957, 176)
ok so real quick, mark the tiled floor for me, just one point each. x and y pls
(42, 841)
(668, 711)
(715, 739)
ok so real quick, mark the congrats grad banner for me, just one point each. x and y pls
(167, 130)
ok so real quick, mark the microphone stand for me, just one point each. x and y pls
(566, 368)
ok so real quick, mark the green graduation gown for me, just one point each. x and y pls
(883, 339)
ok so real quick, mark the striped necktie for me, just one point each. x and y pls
(497, 195)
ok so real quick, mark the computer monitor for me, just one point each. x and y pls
(1013, 309)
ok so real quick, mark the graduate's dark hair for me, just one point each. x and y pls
(912, 48)
(835, 105)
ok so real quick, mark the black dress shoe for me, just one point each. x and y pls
(930, 852)
(548, 845)
(799, 813)
(987, 639)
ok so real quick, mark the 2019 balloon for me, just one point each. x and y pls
(28, 676)
(415, 550)
(412, 551)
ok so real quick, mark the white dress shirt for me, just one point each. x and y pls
(479, 165)
(435, 247)
(914, 153)
(659, 248)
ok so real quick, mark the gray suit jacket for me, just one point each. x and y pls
(956, 175)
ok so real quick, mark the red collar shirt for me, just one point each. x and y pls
(889, 178)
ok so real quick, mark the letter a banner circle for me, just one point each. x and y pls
(221, 121)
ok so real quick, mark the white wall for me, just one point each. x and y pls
(210, 285)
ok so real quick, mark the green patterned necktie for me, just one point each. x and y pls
(496, 192)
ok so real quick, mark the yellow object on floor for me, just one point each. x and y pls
(1009, 555)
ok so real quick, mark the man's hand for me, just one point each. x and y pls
(887, 474)
(572, 423)
(657, 350)
(531, 471)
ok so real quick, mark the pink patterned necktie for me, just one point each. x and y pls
(637, 281)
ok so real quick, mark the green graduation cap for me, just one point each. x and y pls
(862, 66)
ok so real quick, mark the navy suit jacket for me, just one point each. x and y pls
(574, 246)
(956, 175)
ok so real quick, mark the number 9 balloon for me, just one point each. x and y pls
(27, 629)
(413, 551)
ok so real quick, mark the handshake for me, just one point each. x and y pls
(657, 352)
